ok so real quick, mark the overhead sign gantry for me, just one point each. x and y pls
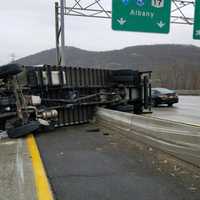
(158, 10)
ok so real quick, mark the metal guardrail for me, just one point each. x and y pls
(179, 140)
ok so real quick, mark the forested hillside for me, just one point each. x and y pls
(173, 66)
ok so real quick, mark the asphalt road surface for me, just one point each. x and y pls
(187, 110)
(82, 164)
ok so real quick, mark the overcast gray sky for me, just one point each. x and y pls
(27, 27)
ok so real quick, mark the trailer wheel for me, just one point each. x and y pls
(10, 70)
(23, 130)
(137, 109)
(124, 72)
(2, 124)
(126, 75)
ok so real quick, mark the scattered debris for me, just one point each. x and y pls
(184, 172)
(92, 129)
(192, 188)
(60, 154)
(150, 149)
(196, 176)
(176, 169)
(187, 174)
(113, 143)
(159, 169)
(3, 135)
(165, 161)
(98, 149)
(172, 174)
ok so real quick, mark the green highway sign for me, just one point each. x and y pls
(196, 30)
(141, 15)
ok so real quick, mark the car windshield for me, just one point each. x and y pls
(163, 90)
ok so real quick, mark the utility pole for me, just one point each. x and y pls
(57, 29)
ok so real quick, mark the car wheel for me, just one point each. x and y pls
(154, 103)
(170, 104)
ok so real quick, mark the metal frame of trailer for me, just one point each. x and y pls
(75, 92)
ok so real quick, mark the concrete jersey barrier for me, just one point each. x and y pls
(179, 140)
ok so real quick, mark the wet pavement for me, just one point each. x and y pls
(186, 111)
(95, 165)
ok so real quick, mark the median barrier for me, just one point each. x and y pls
(179, 140)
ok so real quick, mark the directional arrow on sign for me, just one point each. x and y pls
(121, 21)
(161, 24)
(197, 33)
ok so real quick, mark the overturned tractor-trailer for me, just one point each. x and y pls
(34, 97)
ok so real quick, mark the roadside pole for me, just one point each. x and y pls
(62, 24)
(57, 32)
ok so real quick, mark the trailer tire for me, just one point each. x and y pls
(9, 70)
(124, 72)
(125, 76)
(2, 124)
(125, 108)
(23, 130)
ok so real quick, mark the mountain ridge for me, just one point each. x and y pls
(167, 61)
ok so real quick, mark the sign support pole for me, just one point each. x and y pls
(58, 58)
(62, 25)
